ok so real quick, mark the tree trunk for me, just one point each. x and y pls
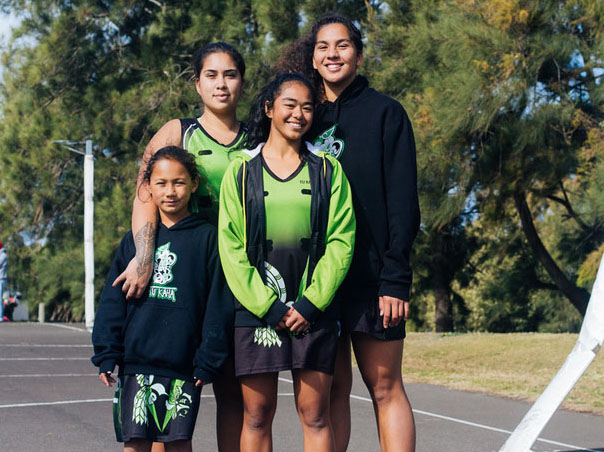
(578, 296)
(443, 307)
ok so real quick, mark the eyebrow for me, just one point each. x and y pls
(233, 70)
(337, 42)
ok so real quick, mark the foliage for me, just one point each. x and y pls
(505, 97)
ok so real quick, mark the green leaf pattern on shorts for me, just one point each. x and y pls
(178, 402)
(144, 401)
(267, 337)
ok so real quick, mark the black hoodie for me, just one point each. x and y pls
(180, 327)
(371, 135)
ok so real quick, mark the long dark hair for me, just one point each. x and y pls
(298, 55)
(259, 125)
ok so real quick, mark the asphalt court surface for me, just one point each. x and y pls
(52, 400)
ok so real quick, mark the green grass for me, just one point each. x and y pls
(511, 365)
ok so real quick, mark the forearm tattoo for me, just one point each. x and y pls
(144, 241)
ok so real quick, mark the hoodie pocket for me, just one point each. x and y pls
(162, 336)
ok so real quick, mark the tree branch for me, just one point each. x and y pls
(578, 296)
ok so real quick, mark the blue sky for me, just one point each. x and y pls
(6, 22)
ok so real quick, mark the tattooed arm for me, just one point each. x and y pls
(145, 218)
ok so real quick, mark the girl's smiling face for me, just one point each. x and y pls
(219, 84)
(335, 56)
(292, 111)
(171, 186)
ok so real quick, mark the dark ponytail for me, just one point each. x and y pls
(258, 124)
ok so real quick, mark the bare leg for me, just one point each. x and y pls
(311, 389)
(259, 405)
(380, 365)
(137, 445)
(229, 409)
(158, 447)
(340, 395)
(183, 445)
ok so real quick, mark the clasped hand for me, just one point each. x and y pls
(294, 322)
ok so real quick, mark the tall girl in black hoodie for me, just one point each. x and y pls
(370, 134)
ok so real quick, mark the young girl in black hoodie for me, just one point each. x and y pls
(370, 134)
(172, 341)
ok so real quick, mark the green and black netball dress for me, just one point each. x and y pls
(212, 160)
(285, 242)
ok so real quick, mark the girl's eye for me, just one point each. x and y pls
(290, 106)
(322, 47)
(308, 109)
(343, 46)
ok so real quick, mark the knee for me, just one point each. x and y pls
(258, 417)
(314, 417)
(384, 392)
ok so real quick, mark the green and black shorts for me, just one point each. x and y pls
(159, 409)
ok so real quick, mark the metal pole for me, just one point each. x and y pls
(591, 339)
(88, 235)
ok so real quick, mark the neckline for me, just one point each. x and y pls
(277, 178)
(206, 133)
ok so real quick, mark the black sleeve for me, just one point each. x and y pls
(219, 318)
(107, 334)
(400, 182)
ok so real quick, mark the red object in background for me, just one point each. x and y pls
(10, 304)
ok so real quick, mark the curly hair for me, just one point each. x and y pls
(297, 56)
(259, 125)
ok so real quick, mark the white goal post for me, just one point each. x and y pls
(585, 350)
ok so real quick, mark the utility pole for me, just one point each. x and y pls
(88, 224)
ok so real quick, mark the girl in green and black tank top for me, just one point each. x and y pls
(212, 159)
(214, 139)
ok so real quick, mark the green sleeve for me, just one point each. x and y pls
(243, 278)
(339, 240)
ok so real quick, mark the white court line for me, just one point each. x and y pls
(48, 375)
(71, 402)
(68, 327)
(48, 345)
(472, 424)
(43, 359)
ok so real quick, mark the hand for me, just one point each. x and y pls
(281, 325)
(107, 379)
(135, 279)
(199, 383)
(393, 310)
(296, 322)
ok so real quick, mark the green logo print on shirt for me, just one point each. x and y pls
(162, 274)
(327, 142)
(267, 336)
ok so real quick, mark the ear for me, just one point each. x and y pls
(197, 86)
(268, 111)
(195, 185)
(314, 65)
(360, 59)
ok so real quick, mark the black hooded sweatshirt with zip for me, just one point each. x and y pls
(180, 327)
(371, 135)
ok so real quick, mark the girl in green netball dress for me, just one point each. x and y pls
(286, 235)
